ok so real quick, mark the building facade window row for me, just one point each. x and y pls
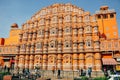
(58, 32)
(66, 44)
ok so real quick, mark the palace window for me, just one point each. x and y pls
(99, 16)
(74, 19)
(95, 29)
(105, 16)
(39, 45)
(54, 10)
(42, 21)
(88, 29)
(80, 19)
(52, 44)
(53, 31)
(54, 19)
(67, 30)
(67, 8)
(111, 15)
(88, 43)
(87, 18)
(67, 44)
(67, 18)
(40, 32)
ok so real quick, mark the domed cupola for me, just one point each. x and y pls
(14, 25)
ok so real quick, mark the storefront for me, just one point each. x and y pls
(8, 61)
(118, 64)
(108, 62)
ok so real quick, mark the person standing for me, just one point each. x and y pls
(53, 70)
(8, 67)
(58, 73)
(5, 68)
(81, 72)
(89, 72)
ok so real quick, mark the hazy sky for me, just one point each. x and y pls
(18, 11)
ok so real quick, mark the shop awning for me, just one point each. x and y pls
(109, 61)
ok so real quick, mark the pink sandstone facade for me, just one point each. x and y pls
(65, 37)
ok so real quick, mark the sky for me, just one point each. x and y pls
(19, 11)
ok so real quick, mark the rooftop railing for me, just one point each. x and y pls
(105, 11)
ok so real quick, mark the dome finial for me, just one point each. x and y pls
(14, 25)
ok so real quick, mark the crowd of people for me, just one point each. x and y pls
(85, 72)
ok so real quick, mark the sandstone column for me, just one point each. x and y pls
(27, 61)
(59, 61)
(98, 64)
(81, 61)
(75, 61)
(44, 62)
(31, 62)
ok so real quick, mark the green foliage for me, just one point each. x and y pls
(3, 74)
(100, 78)
(81, 78)
(84, 78)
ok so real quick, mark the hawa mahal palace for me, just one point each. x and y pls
(65, 37)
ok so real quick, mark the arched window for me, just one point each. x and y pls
(42, 21)
(87, 18)
(54, 19)
(54, 10)
(67, 44)
(53, 31)
(23, 46)
(67, 30)
(40, 32)
(25, 34)
(80, 19)
(81, 44)
(52, 44)
(67, 18)
(95, 29)
(88, 29)
(39, 45)
(88, 43)
(74, 19)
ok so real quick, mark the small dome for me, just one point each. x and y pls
(104, 8)
(14, 25)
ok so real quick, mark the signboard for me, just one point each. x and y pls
(118, 59)
(118, 67)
